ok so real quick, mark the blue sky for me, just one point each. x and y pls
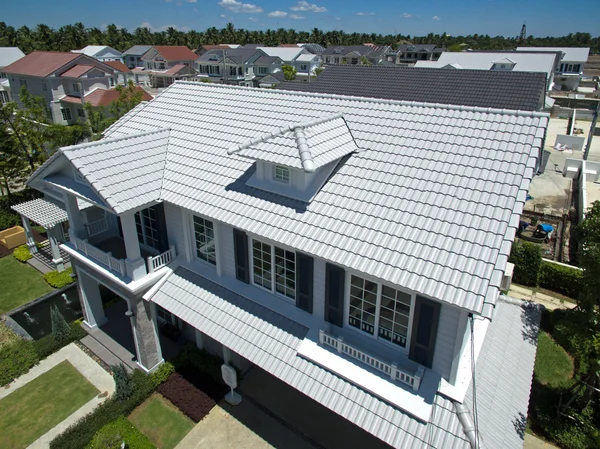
(493, 17)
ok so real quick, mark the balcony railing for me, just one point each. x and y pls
(390, 369)
(106, 259)
(96, 227)
(157, 262)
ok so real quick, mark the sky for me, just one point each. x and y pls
(493, 17)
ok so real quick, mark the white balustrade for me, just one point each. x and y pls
(391, 369)
(106, 259)
(96, 227)
(157, 262)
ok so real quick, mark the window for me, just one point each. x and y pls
(2, 75)
(232, 70)
(80, 113)
(263, 70)
(355, 61)
(3, 97)
(282, 174)
(66, 114)
(23, 83)
(112, 82)
(576, 67)
(205, 240)
(44, 88)
(75, 87)
(163, 314)
(146, 224)
(304, 67)
(379, 310)
(271, 262)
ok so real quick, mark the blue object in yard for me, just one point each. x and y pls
(546, 227)
(528, 197)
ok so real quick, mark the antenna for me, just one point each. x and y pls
(523, 35)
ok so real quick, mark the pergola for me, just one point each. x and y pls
(50, 215)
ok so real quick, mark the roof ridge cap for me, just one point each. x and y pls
(116, 139)
(306, 157)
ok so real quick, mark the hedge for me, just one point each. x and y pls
(59, 279)
(22, 253)
(527, 258)
(114, 433)
(561, 279)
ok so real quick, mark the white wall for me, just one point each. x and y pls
(446, 340)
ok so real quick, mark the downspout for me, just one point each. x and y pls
(465, 418)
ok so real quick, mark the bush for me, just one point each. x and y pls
(162, 373)
(60, 329)
(123, 384)
(59, 279)
(192, 401)
(558, 278)
(201, 360)
(114, 433)
(22, 253)
(527, 258)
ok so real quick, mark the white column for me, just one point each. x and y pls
(76, 224)
(54, 234)
(136, 268)
(226, 355)
(89, 292)
(199, 339)
(29, 235)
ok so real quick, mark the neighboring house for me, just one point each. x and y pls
(301, 59)
(122, 73)
(529, 61)
(8, 55)
(503, 90)
(101, 53)
(354, 54)
(165, 64)
(272, 80)
(569, 72)
(242, 66)
(133, 56)
(102, 98)
(355, 250)
(204, 48)
(56, 75)
(419, 52)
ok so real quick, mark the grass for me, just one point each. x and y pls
(41, 404)
(161, 422)
(553, 365)
(21, 283)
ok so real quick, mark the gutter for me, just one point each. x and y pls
(465, 418)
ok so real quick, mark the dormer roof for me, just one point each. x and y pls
(306, 146)
(504, 61)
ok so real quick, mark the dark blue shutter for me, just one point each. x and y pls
(161, 224)
(240, 244)
(335, 278)
(304, 282)
(424, 331)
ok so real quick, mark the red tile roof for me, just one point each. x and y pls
(41, 63)
(103, 97)
(77, 70)
(176, 53)
(118, 66)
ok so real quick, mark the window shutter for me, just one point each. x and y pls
(240, 244)
(304, 282)
(335, 278)
(424, 331)
(161, 224)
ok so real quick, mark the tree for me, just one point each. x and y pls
(63, 136)
(318, 71)
(12, 165)
(365, 61)
(289, 72)
(97, 119)
(60, 329)
(129, 97)
(123, 383)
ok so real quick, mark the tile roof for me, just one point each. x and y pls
(238, 55)
(361, 50)
(118, 66)
(41, 63)
(267, 60)
(427, 48)
(285, 53)
(43, 211)
(93, 50)
(495, 89)
(78, 70)
(271, 341)
(8, 55)
(314, 48)
(104, 97)
(137, 50)
(305, 146)
(175, 53)
(450, 181)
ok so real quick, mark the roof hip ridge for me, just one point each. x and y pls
(116, 139)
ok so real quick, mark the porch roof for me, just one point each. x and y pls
(44, 212)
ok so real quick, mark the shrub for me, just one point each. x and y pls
(123, 384)
(59, 279)
(201, 360)
(49, 344)
(527, 258)
(561, 279)
(192, 401)
(22, 253)
(16, 359)
(114, 433)
(162, 373)
(60, 329)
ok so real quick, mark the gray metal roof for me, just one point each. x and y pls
(43, 211)
(360, 50)
(571, 54)
(137, 50)
(267, 60)
(306, 146)
(484, 88)
(238, 55)
(430, 203)
(419, 48)
(8, 55)
(271, 341)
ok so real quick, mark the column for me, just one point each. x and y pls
(91, 301)
(54, 235)
(145, 334)
(76, 224)
(135, 264)
(29, 235)
(199, 339)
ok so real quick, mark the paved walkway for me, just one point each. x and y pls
(549, 302)
(82, 363)
(533, 442)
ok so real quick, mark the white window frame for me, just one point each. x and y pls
(273, 279)
(263, 70)
(76, 87)
(375, 336)
(282, 178)
(160, 311)
(80, 113)
(145, 237)
(194, 245)
(66, 112)
(44, 87)
(303, 67)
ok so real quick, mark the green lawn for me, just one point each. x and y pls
(553, 366)
(21, 283)
(36, 407)
(161, 422)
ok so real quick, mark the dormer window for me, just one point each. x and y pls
(282, 174)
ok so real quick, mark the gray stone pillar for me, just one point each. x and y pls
(91, 301)
(135, 264)
(145, 333)
(54, 235)
(29, 235)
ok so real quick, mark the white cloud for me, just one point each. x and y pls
(252, 19)
(338, 18)
(192, 1)
(365, 13)
(239, 7)
(277, 14)
(303, 5)
(407, 15)
(296, 16)
(223, 16)
(436, 18)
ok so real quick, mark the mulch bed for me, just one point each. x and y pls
(192, 392)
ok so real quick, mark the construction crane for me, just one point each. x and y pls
(523, 35)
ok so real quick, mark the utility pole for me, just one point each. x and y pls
(523, 35)
(586, 152)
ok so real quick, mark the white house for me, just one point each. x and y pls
(352, 248)
(242, 66)
(569, 72)
(62, 79)
(101, 53)
(300, 58)
(132, 57)
(8, 55)
(163, 64)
